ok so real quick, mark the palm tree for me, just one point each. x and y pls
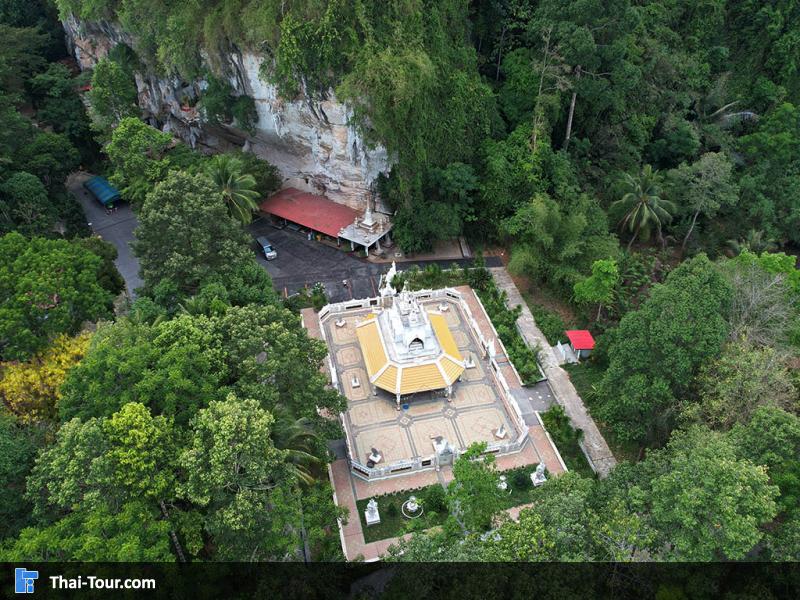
(296, 437)
(756, 241)
(644, 207)
(238, 189)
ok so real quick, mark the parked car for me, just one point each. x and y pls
(267, 248)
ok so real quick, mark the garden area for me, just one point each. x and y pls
(433, 501)
(393, 523)
(567, 440)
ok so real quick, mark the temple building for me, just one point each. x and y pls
(408, 350)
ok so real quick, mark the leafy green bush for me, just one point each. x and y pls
(433, 499)
(220, 104)
(521, 480)
(245, 114)
(549, 322)
(318, 296)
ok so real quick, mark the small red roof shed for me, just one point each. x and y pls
(580, 339)
(310, 210)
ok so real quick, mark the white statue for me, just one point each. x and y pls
(537, 477)
(371, 515)
(387, 289)
(502, 484)
(412, 504)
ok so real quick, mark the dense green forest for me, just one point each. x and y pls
(640, 161)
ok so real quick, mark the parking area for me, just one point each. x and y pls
(115, 227)
(302, 262)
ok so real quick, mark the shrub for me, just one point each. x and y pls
(434, 500)
(549, 322)
(521, 479)
(392, 510)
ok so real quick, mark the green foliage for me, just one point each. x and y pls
(237, 188)
(473, 496)
(600, 286)
(21, 56)
(656, 350)
(567, 440)
(557, 243)
(47, 287)
(707, 502)
(138, 154)
(113, 95)
(642, 205)
(132, 534)
(177, 366)
(25, 205)
(18, 447)
(49, 156)
(772, 438)
(107, 276)
(186, 235)
(267, 176)
(234, 469)
(769, 181)
(742, 379)
(220, 105)
(504, 320)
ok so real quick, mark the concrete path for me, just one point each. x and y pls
(116, 228)
(600, 457)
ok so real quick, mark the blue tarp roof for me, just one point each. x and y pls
(102, 190)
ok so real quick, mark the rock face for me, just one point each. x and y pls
(310, 141)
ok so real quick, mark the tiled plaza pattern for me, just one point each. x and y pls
(473, 413)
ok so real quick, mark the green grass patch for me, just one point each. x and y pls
(567, 440)
(393, 523)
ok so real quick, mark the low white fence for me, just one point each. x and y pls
(510, 404)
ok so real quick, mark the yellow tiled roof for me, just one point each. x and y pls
(421, 378)
(397, 378)
(369, 337)
(452, 369)
(442, 331)
(388, 379)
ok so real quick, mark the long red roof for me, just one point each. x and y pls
(310, 210)
(580, 339)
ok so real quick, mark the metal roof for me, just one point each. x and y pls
(310, 210)
(102, 189)
(580, 339)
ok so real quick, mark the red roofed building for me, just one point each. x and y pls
(322, 215)
(581, 341)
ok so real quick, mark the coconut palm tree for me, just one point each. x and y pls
(237, 188)
(643, 205)
(296, 437)
(755, 241)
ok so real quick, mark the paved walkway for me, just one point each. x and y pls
(599, 454)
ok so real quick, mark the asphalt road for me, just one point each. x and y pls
(300, 262)
(303, 263)
(116, 228)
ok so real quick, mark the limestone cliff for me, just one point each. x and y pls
(310, 141)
